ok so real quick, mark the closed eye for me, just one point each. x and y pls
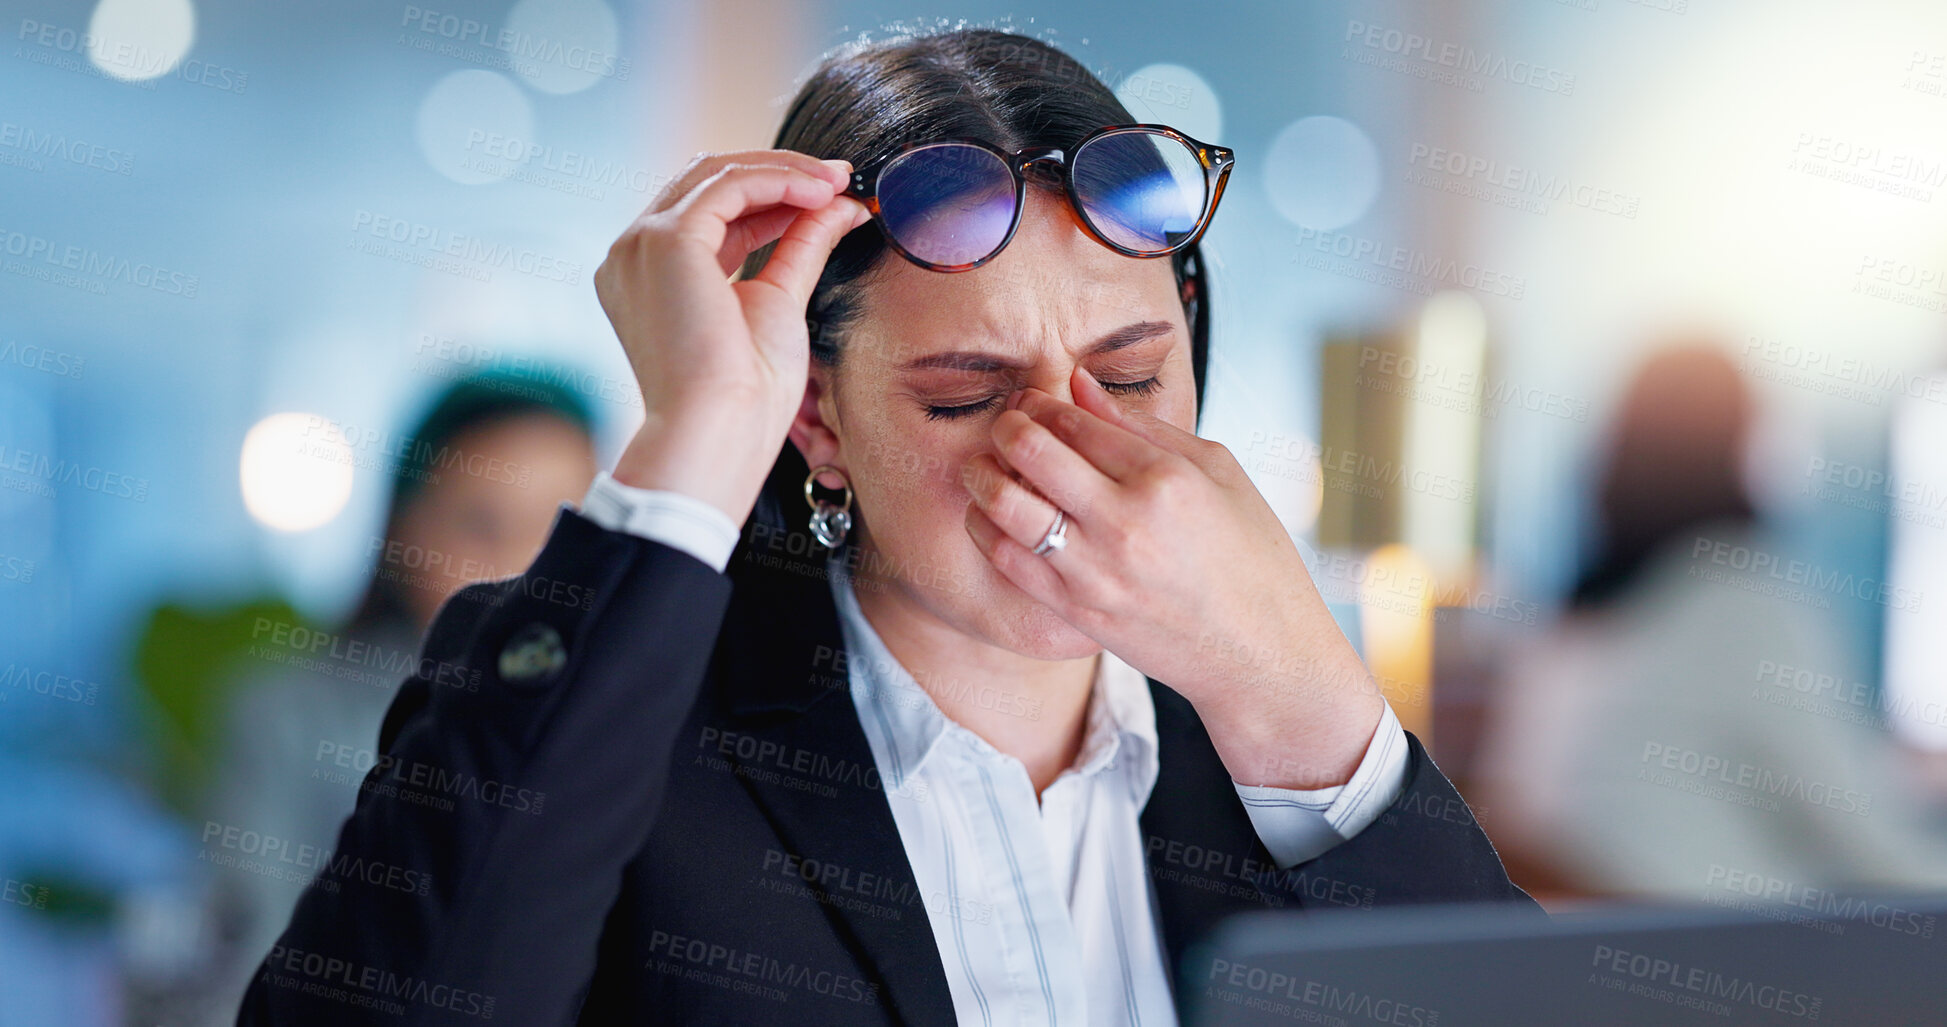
(1141, 388)
(934, 413)
(947, 413)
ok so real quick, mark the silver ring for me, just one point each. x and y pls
(1057, 535)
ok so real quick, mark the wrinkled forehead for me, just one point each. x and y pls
(1052, 285)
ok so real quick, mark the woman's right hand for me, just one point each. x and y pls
(722, 364)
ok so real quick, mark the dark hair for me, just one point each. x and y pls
(865, 101)
(476, 401)
(1673, 464)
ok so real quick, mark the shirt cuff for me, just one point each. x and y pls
(1301, 824)
(659, 515)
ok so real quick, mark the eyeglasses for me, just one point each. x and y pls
(954, 204)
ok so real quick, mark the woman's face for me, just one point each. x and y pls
(472, 527)
(929, 367)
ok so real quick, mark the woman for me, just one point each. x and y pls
(1668, 656)
(301, 733)
(992, 737)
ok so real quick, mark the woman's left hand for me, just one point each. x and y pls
(1177, 565)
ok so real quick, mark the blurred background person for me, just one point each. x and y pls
(1693, 722)
(474, 495)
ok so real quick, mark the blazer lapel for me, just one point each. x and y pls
(782, 682)
(1202, 850)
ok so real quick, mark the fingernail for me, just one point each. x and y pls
(1014, 398)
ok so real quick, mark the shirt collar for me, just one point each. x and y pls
(1121, 717)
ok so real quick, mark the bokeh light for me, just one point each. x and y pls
(1173, 95)
(474, 125)
(573, 43)
(296, 472)
(137, 40)
(1322, 172)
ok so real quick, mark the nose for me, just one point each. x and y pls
(1053, 381)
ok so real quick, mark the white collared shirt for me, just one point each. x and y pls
(1042, 909)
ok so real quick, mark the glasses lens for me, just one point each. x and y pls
(948, 204)
(1142, 190)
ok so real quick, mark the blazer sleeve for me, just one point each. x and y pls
(1426, 847)
(523, 764)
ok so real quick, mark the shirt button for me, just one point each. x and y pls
(533, 655)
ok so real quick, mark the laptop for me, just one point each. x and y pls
(1875, 960)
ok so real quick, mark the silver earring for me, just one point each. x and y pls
(829, 522)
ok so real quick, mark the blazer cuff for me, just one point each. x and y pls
(1296, 824)
(681, 522)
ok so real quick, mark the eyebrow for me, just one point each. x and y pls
(977, 360)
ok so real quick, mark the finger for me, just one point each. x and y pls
(751, 231)
(775, 299)
(1112, 450)
(800, 254)
(704, 217)
(1032, 574)
(760, 227)
(1049, 464)
(1091, 396)
(1010, 505)
(705, 165)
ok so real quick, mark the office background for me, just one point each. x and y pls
(245, 245)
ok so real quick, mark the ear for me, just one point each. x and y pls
(814, 429)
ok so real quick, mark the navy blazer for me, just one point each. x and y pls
(657, 804)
